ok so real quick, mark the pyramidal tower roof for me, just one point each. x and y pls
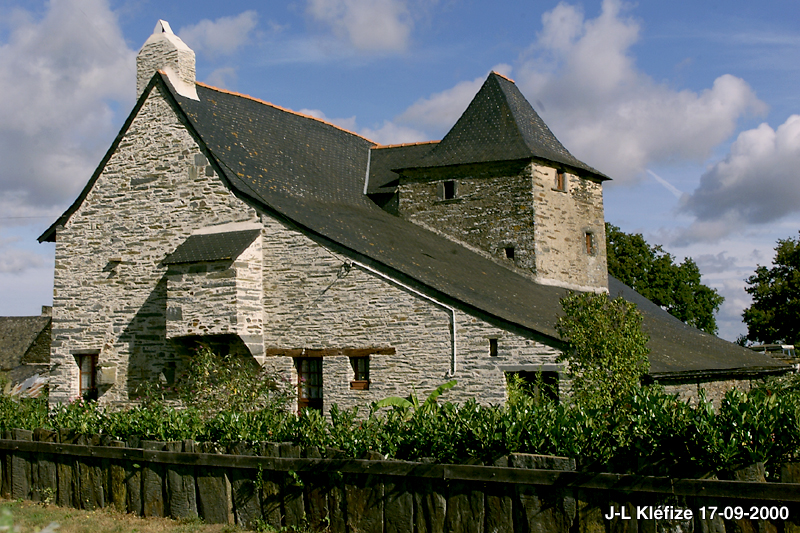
(501, 125)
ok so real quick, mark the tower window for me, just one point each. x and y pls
(561, 181)
(590, 248)
(509, 252)
(448, 190)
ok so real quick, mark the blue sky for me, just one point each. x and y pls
(689, 106)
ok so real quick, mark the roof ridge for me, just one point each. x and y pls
(503, 76)
(398, 145)
(285, 109)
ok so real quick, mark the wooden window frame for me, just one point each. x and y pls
(314, 370)
(360, 375)
(561, 181)
(591, 248)
(87, 391)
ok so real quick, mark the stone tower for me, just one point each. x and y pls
(165, 51)
(501, 183)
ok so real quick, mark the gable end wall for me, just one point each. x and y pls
(110, 286)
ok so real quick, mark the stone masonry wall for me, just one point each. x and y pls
(487, 214)
(326, 302)
(218, 298)
(562, 219)
(110, 286)
(714, 390)
(545, 227)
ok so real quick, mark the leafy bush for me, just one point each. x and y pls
(647, 431)
(607, 348)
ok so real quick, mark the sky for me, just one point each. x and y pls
(691, 107)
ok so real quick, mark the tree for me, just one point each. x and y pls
(607, 348)
(652, 272)
(774, 316)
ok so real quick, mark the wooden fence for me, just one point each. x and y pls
(280, 484)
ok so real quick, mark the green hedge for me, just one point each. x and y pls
(649, 432)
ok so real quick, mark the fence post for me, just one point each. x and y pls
(181, 491)
(21, 468)
(244, 490)
(153, 482)
(270, 488)
(214, 503)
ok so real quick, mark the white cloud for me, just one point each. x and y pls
(368, 25)
(16, 261)
(440, 111)
(756, 183)
(346, 123)
(223, 36)
(58, 75)
(223, 77)
(610, 114)
(391, 133)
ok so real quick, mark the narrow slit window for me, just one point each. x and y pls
(493, 347)
(589, 243)
(561, 180)
(509, 252)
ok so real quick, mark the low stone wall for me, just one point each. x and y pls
(282, 485)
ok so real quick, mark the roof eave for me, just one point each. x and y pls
(719, 373)
(578, 171)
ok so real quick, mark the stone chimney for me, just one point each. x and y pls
(166, 51)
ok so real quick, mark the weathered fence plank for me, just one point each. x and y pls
(153, 482)
(270, 488)
(326, 490)
(21, 467)
(180, 488)
(214, 502)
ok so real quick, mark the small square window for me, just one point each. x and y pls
(509, 252)
(448, 190)
(493, 347)
(360, 373)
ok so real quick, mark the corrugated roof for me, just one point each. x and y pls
(500, 125)
(212, 247)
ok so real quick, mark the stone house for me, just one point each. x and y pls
(355, 269)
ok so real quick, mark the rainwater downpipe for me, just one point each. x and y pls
(452, 310)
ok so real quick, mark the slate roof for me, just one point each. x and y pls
(17, 336)
(501, 125)
(311, 174)
(212, 247)
(382, 159)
